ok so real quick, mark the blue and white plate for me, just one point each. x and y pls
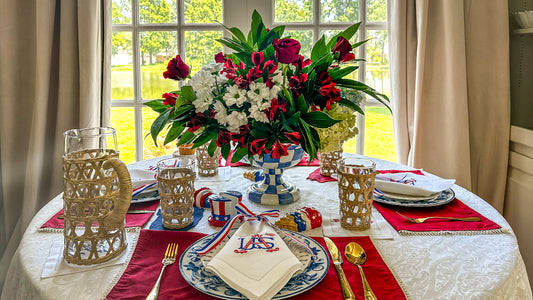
(445, 197)
(146, 197)
(192, 269)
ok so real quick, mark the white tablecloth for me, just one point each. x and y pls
(483, 266)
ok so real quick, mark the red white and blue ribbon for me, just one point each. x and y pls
(245, 212)
(147, 186)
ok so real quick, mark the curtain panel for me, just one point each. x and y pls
(451, 92)
(51, 58)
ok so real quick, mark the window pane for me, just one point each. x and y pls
(157, 48)
(379, 136)
(157, 11)
(122, 120)
(200, 48)
(305, 37)
(339, 11)
(293, 11)
(121, 66)
(377, 61)
(377, 10)
(149, 149)
(350, 145)
(203, 11)
(121, 12)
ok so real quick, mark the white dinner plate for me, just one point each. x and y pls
(403, 197)
(443, 198)
(193, 271)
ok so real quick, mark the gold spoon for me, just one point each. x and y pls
(356, 255)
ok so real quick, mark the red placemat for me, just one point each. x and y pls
(132, 220)
(455, 208)
(303, 162)
(316, 176)
(145, 265)
(378, 275)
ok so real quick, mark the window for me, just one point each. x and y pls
(147, 33)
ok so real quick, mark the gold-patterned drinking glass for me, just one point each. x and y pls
(207, 164)
(96, 195)
(356, 185)
(328, 162)
(176, 190)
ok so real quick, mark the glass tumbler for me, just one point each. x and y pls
(356, 185)
(176, 189)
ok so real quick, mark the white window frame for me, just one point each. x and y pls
(235, 13)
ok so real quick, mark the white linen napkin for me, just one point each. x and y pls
(255, 261)
(407, 183)
(143, 180)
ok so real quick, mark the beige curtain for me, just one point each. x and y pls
(450, 90)
(50, 81)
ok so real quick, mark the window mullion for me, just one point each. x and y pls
(360, 140)
(137, 92)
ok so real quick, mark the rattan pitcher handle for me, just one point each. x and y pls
(116, 219)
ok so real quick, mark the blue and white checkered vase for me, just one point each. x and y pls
(273, 190)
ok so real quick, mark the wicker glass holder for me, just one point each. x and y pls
(176, 190)
(356, 186)
(97, 194)
(328, 162)
(207, 166)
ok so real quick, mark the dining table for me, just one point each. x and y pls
(437, 264)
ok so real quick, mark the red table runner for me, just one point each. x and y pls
(145, 265)
(132, 220)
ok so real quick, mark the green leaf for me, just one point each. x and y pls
(158, 125)
(279, 30)
(347, 34)
(174, 132)
(225, 150)
(204, 137)
(340, 73)
(157, 105)
(319, 49)
(351, 105)
(231, 44)
(349, 83)
(236, 32)
(257, 21)
(187, 93)
(239, 154)
(212, 146)
(186, 138)
(319, 119)
(301, 105)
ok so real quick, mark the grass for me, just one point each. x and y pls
(379, 137)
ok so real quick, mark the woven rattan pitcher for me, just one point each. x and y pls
(96, 196)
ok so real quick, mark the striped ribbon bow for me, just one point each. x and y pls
(245, 212)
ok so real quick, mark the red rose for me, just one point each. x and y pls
(344, 48)
(279, 150)
(176, 69)
(286, 50)
(220, 58)
(170, 98)
(257, 146)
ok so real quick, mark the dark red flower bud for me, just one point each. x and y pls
(176, 69)
(258, 58)
(223, 138)
(344, 48)
(195, 122)
(241, 82)
(296, 82)
(253, 74)
(170, 98)
(286, 50)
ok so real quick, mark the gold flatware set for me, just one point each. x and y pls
(170, 257)
(424, 219)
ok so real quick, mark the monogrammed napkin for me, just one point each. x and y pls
(408, 183)
(255, 261)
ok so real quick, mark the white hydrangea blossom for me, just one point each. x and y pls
(274, 91)
(204, 98)
(202, 80)
(258, 91)
(257, 114)
(278, 77)
(213, 68)
(235, 95)
(235, 120)
(220, 113)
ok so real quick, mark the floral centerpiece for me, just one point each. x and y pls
(264, 96)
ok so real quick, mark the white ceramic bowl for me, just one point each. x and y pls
(524, 18)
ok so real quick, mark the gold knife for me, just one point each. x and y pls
(347, 292)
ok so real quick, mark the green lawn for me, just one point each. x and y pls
(379, 138)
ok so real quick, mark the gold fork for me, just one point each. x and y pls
(422, 220)
(170, 258)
